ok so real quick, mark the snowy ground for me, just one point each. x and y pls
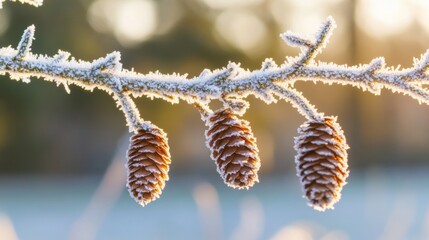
(375, 205)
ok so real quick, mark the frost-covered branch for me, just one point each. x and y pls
(309, 48)
(231, 84)
(35, 3)
(321, 159)
(24, 46)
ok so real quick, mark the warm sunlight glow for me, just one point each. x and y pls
(7, 231)
(222, 4)
(421, 13)
(312, 3)
(242, 29)
(301, 16)
(135, 21)
(131, 21)
(383, 18)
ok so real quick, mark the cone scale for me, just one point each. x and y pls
(148, 164)
(321, 161)
(233, 148)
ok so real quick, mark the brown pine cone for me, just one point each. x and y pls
(148, 164)
(321, 161)
(233, 148)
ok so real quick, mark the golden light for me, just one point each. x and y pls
(7, 231)
(131, 21)
(242, 30)
(383, 18)
(136, 21)
(222, 4)
(302, 16)
(421, 10)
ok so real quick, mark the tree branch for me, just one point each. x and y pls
(232, 84)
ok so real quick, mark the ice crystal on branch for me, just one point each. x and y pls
(231, 85)
(24, 45)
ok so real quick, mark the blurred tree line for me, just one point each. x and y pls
(43, 130)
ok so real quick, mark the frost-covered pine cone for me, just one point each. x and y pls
(233, 148)
(321, 161)
(148, 164)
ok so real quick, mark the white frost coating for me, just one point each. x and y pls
(110, 62)
(295, 40)
(236, 143)
(128, 107)
(231, 84)
(324, 152)
(152, 168)
(24, 45)
(268, 63)
(35, 3)
(61, 56)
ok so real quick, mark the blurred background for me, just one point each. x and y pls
(62, 155)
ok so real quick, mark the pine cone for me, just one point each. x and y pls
(148, 164)
(233, 148)
(322, 161)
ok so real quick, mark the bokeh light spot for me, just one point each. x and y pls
(131, 21)
(294, 232)
(421, 13)
(223, 4)
(242, 29)
(383, 18)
